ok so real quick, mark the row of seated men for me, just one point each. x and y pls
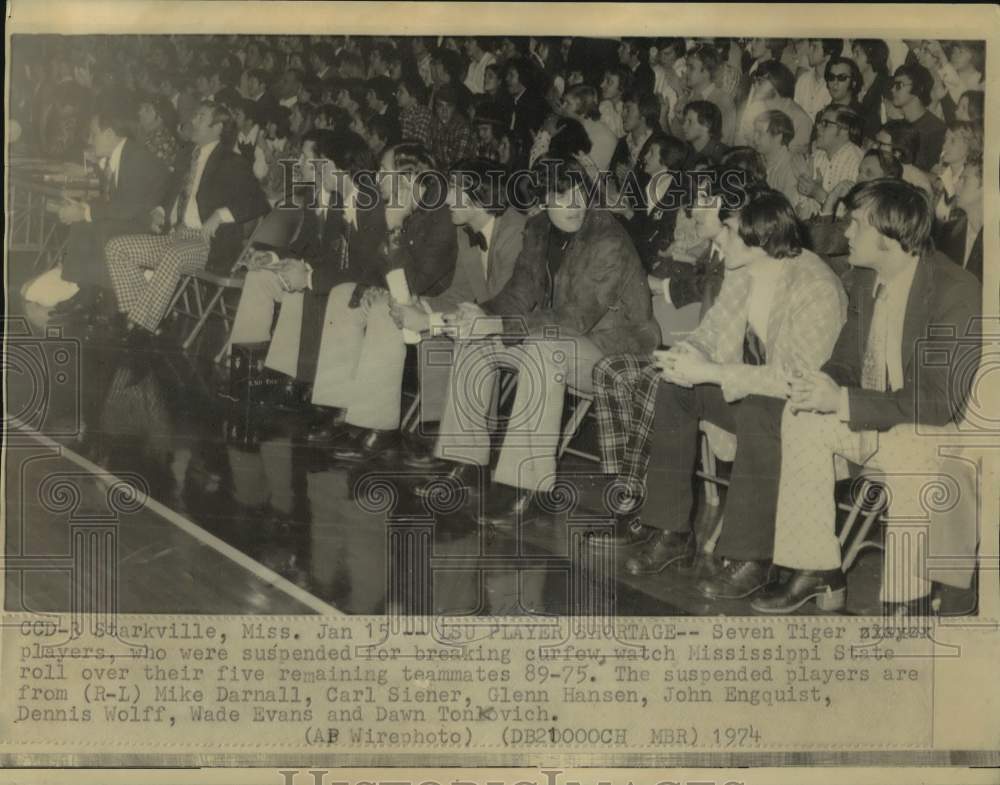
(795, 362)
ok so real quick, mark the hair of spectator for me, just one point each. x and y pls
(384, 89)
(848, 118)
(708, 115)
(708, 56)
(905, 140)
(976, 99)
(117, 114)
(679, 46)
(649, 108)
(221, 114)
(587, 96)
(746, 160)
(887, 163)
(780, 77)
(482, 181)
(414, 86)
(384, 128)
(876, 52)
(767, 220)
(971, 133)
(346, 150)
(831, 46)
(921, 79)
(897, 210)
(560, 175)
(778, 123)
(570, 139)
(671, 151)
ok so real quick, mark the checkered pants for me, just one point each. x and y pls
(625, 389)
(169, 256)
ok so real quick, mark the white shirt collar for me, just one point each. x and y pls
(487, 231)
(351, 208)
(288, 103)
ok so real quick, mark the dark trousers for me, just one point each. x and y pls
(751, 503)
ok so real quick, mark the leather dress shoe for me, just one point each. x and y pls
(329, 429)
(506, 507)
(928, 605)
(660, 552)
(363, 445)
(629, 532)
(462, 477)
(735, 579)
(827, 587)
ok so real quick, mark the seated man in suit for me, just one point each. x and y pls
(213, 195)
(283, 275)
(884, 391)
(577, 294)
(488, 246)
(342, 231)
(362, 351)
(133, 181)
(779, 311)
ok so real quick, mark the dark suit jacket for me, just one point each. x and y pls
(426, 251)
(600, 289)
(228, 181)
(949, 237)
(937, 373)
(653, 232)
(469, 284)
(692, 283)
(526, 116)
(123, 209)
(339, 254)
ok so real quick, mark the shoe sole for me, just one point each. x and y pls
(825, 600)
(713, 596)
(658, 570)
(606, 544)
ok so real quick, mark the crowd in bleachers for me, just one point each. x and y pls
(816, 203)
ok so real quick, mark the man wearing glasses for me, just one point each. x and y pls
(843, 82)
(836, 157)
(910, 92)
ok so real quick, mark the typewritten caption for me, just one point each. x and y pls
(351, 685)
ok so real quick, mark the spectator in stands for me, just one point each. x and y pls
(702, 64)
(652, 226)
(835, 160)
(772, 133)
(911, 94)
(157, 128)
(871, 55)
(640, 120)
(811, 91)
(613, 88)
(962, 141)
(773, 85)
(633, 53)
(380, 133)
(971, 106)
(843, 82)
(961, 236)
(903, 140)
(247, 129)
(450, 134)
(415, 117)
(701, 129)
(580, 102)
(481, 57)
(527, 105)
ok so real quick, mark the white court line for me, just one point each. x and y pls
(266, 575)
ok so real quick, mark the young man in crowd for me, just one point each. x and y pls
(578, 293)
(877, 401)
(910, 93)
(811, 91)
(702, 130)
(772, 133)
(702, 65)
(213, 194)
(836, 158)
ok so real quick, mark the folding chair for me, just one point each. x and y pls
(275, 230)
(584, 404)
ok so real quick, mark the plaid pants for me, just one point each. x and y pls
(625, 388)
(169, 256)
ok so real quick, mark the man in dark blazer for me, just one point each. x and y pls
(133, 182)
(490, 237)
(652, 225)
(362, 348)
(900, 373)
(213, 195)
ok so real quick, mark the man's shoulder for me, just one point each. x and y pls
(950, 281)
(511, 221)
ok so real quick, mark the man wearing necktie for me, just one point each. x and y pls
(133, 183)
(900, 374)
(212, 196)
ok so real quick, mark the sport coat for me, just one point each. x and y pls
(950, 238)
(807, 312)
(123, 208)
(469, 283)
(937, 363)
(227, 181)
